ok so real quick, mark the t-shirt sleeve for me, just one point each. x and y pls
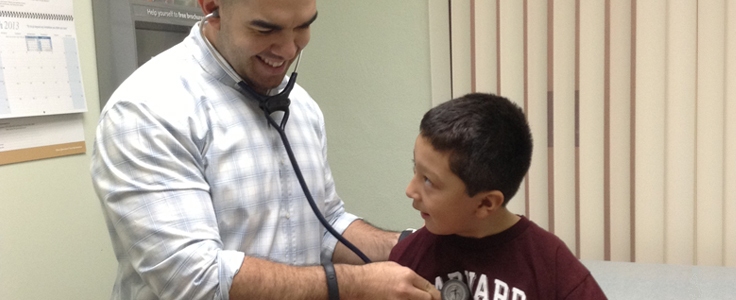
(588, 289)
(574, 279)
(397, 251)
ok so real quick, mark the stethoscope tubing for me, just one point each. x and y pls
(280, 128)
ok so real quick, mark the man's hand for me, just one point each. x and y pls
(383, 280)
(263, 279)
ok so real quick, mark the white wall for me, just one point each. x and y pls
(367, 66)
(53, 239)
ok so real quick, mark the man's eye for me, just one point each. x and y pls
(263, 30)
(427, 181)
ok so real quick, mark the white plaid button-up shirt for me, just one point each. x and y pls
(192, 178)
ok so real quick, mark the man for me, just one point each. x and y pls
(197, 190)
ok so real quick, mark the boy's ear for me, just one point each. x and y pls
(489, 202)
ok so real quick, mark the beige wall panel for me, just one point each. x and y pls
(439, 51)
(564, 121)
(620, 130)
(591, 128)
(680, 131)
(710, 132)
(655, 149)
(537, 111)
(512, 69)
(511, 54)
(650, 129)
(486, 67)
(729, 207)
(460, 39)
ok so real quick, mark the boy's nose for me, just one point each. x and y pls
(410, 192)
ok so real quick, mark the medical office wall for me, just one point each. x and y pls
(631, 104)
(53, 239)
(367, 66)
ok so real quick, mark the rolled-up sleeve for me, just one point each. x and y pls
(158, 210)
(229, 262)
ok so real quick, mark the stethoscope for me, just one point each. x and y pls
(452, 289)
(269, 105)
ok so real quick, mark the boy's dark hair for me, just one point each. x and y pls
(488, 140)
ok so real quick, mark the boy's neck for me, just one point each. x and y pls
(501, 220)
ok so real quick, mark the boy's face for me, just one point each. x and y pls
(440, 195)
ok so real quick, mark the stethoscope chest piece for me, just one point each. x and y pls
(454, 289)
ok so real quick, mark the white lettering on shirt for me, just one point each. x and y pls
(471, 279)
(501, 292)
(481, 290)
(501, 289)
(517, 294)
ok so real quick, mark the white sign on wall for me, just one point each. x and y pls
(39, 62)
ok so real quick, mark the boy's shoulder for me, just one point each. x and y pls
(543, 241)
(421, 236)
(540, 234)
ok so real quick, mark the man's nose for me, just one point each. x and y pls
(287, 46)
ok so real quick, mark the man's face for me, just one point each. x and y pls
(261, 38)
(439, 195)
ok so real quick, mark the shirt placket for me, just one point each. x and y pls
(285, 177)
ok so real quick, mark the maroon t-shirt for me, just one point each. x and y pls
(522, 262)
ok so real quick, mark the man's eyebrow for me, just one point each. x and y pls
(307, 23)
(268, 25)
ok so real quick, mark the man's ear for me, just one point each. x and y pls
(489, 202)
(209, 6)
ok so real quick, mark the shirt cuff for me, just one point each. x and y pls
(229, 262)
(329, 241)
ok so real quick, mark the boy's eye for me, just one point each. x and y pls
(427, 181)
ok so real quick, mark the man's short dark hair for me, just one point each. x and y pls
(488, 140)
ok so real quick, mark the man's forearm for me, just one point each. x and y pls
(262, 279)
(373, 242)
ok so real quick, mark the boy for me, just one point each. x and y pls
(469, 160)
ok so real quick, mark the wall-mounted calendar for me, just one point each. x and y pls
(41, 93)
(39, 59)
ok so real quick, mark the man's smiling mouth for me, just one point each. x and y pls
(271, 63)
